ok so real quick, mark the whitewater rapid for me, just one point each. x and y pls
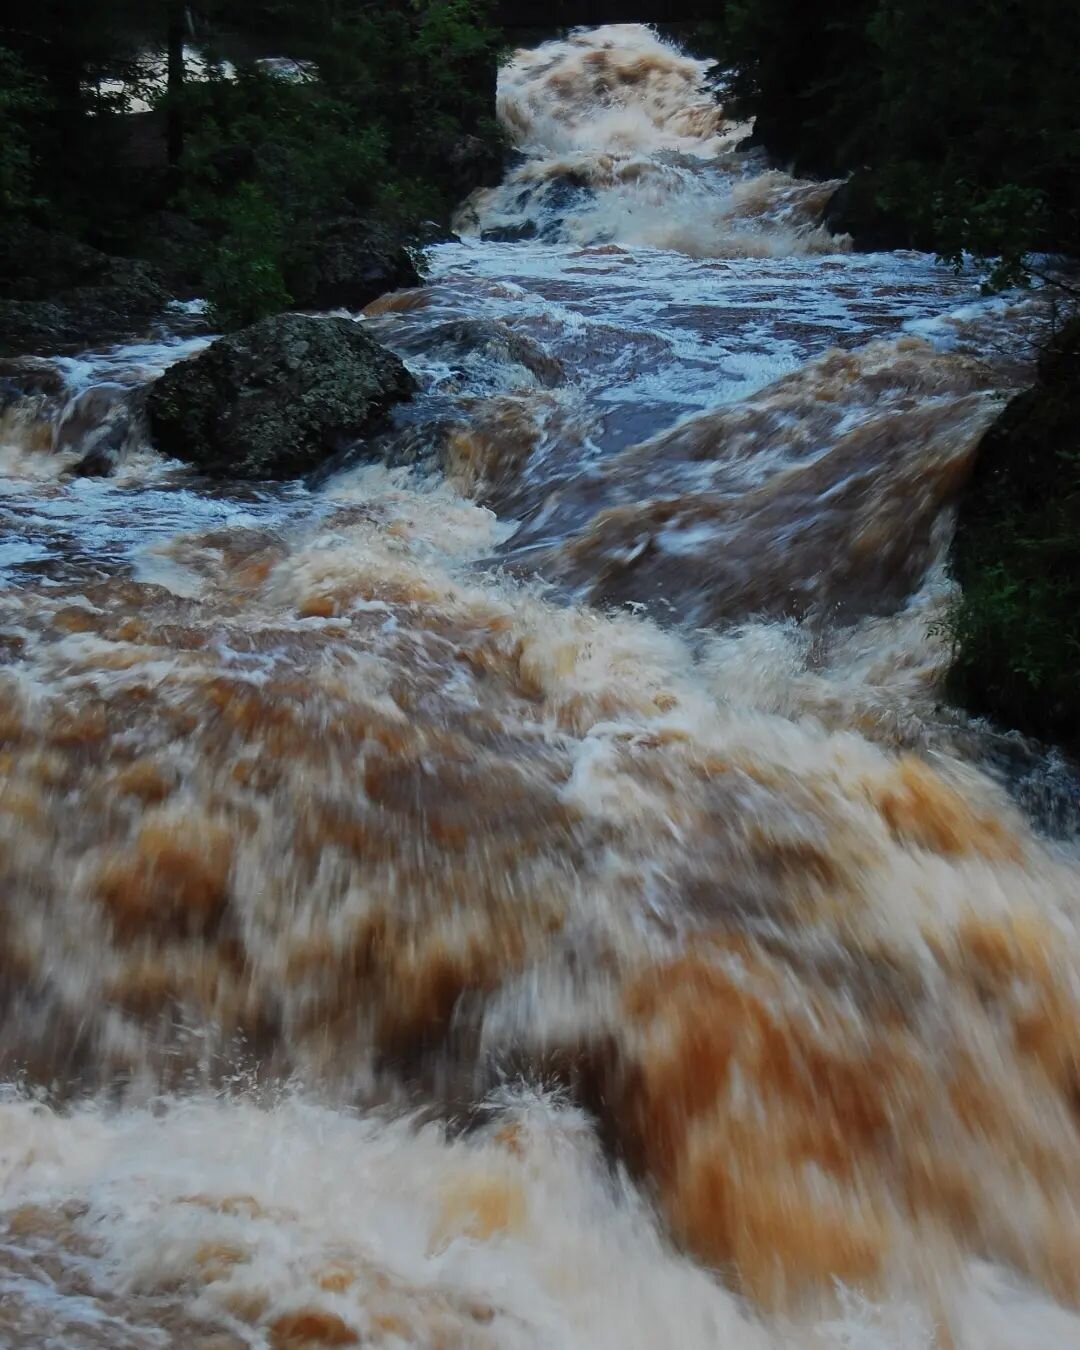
(523, 888)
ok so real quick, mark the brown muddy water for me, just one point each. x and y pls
(527, 892)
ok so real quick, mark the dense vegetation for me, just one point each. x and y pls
(385, 117)
(1017, 556)
(960, 123)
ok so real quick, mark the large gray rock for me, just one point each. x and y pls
(276, 399)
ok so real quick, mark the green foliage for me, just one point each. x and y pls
(21, 99)
(450, 50)
(66, 52)
(804, 71)
(243, 280)
(1016, 627)
(253, 164)
(306, 150)
(1000, 225)
(1011, 621)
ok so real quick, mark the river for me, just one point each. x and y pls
(528, 891)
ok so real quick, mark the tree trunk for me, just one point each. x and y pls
(175, 102)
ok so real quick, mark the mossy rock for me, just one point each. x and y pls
(1017, 557)
(277, 399)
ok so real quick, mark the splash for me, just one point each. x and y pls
(82, 415)
(370, 821)
(612, 89)
(219, 1225)
(625, 140)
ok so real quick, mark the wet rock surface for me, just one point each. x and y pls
(855, 209)
(28, 377)
(274, 400)
(472, 162)
(509, 234)
(463, 343)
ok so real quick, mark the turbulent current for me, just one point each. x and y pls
(524, 888)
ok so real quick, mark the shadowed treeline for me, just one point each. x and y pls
(216, 140)
(517, 14)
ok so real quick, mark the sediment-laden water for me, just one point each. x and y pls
(527, 892)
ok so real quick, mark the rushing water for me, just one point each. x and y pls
(526, 892)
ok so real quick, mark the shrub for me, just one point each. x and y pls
(1016, 627)
(21, 99)
(243, 279)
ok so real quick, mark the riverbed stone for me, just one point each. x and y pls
(28, 377)
(472, 162)
(276, 399)
(517, 233)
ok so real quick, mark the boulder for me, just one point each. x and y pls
(38, 264)
(276, 399)
(348, 263)
(35, 326)
(430, 232)
(56, 292)
(1016, 555)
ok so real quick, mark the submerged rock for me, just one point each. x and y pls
(28, 377)
(1017, 557)
(510, 234)
(274, 400)
(465, 344)
(100, 425)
